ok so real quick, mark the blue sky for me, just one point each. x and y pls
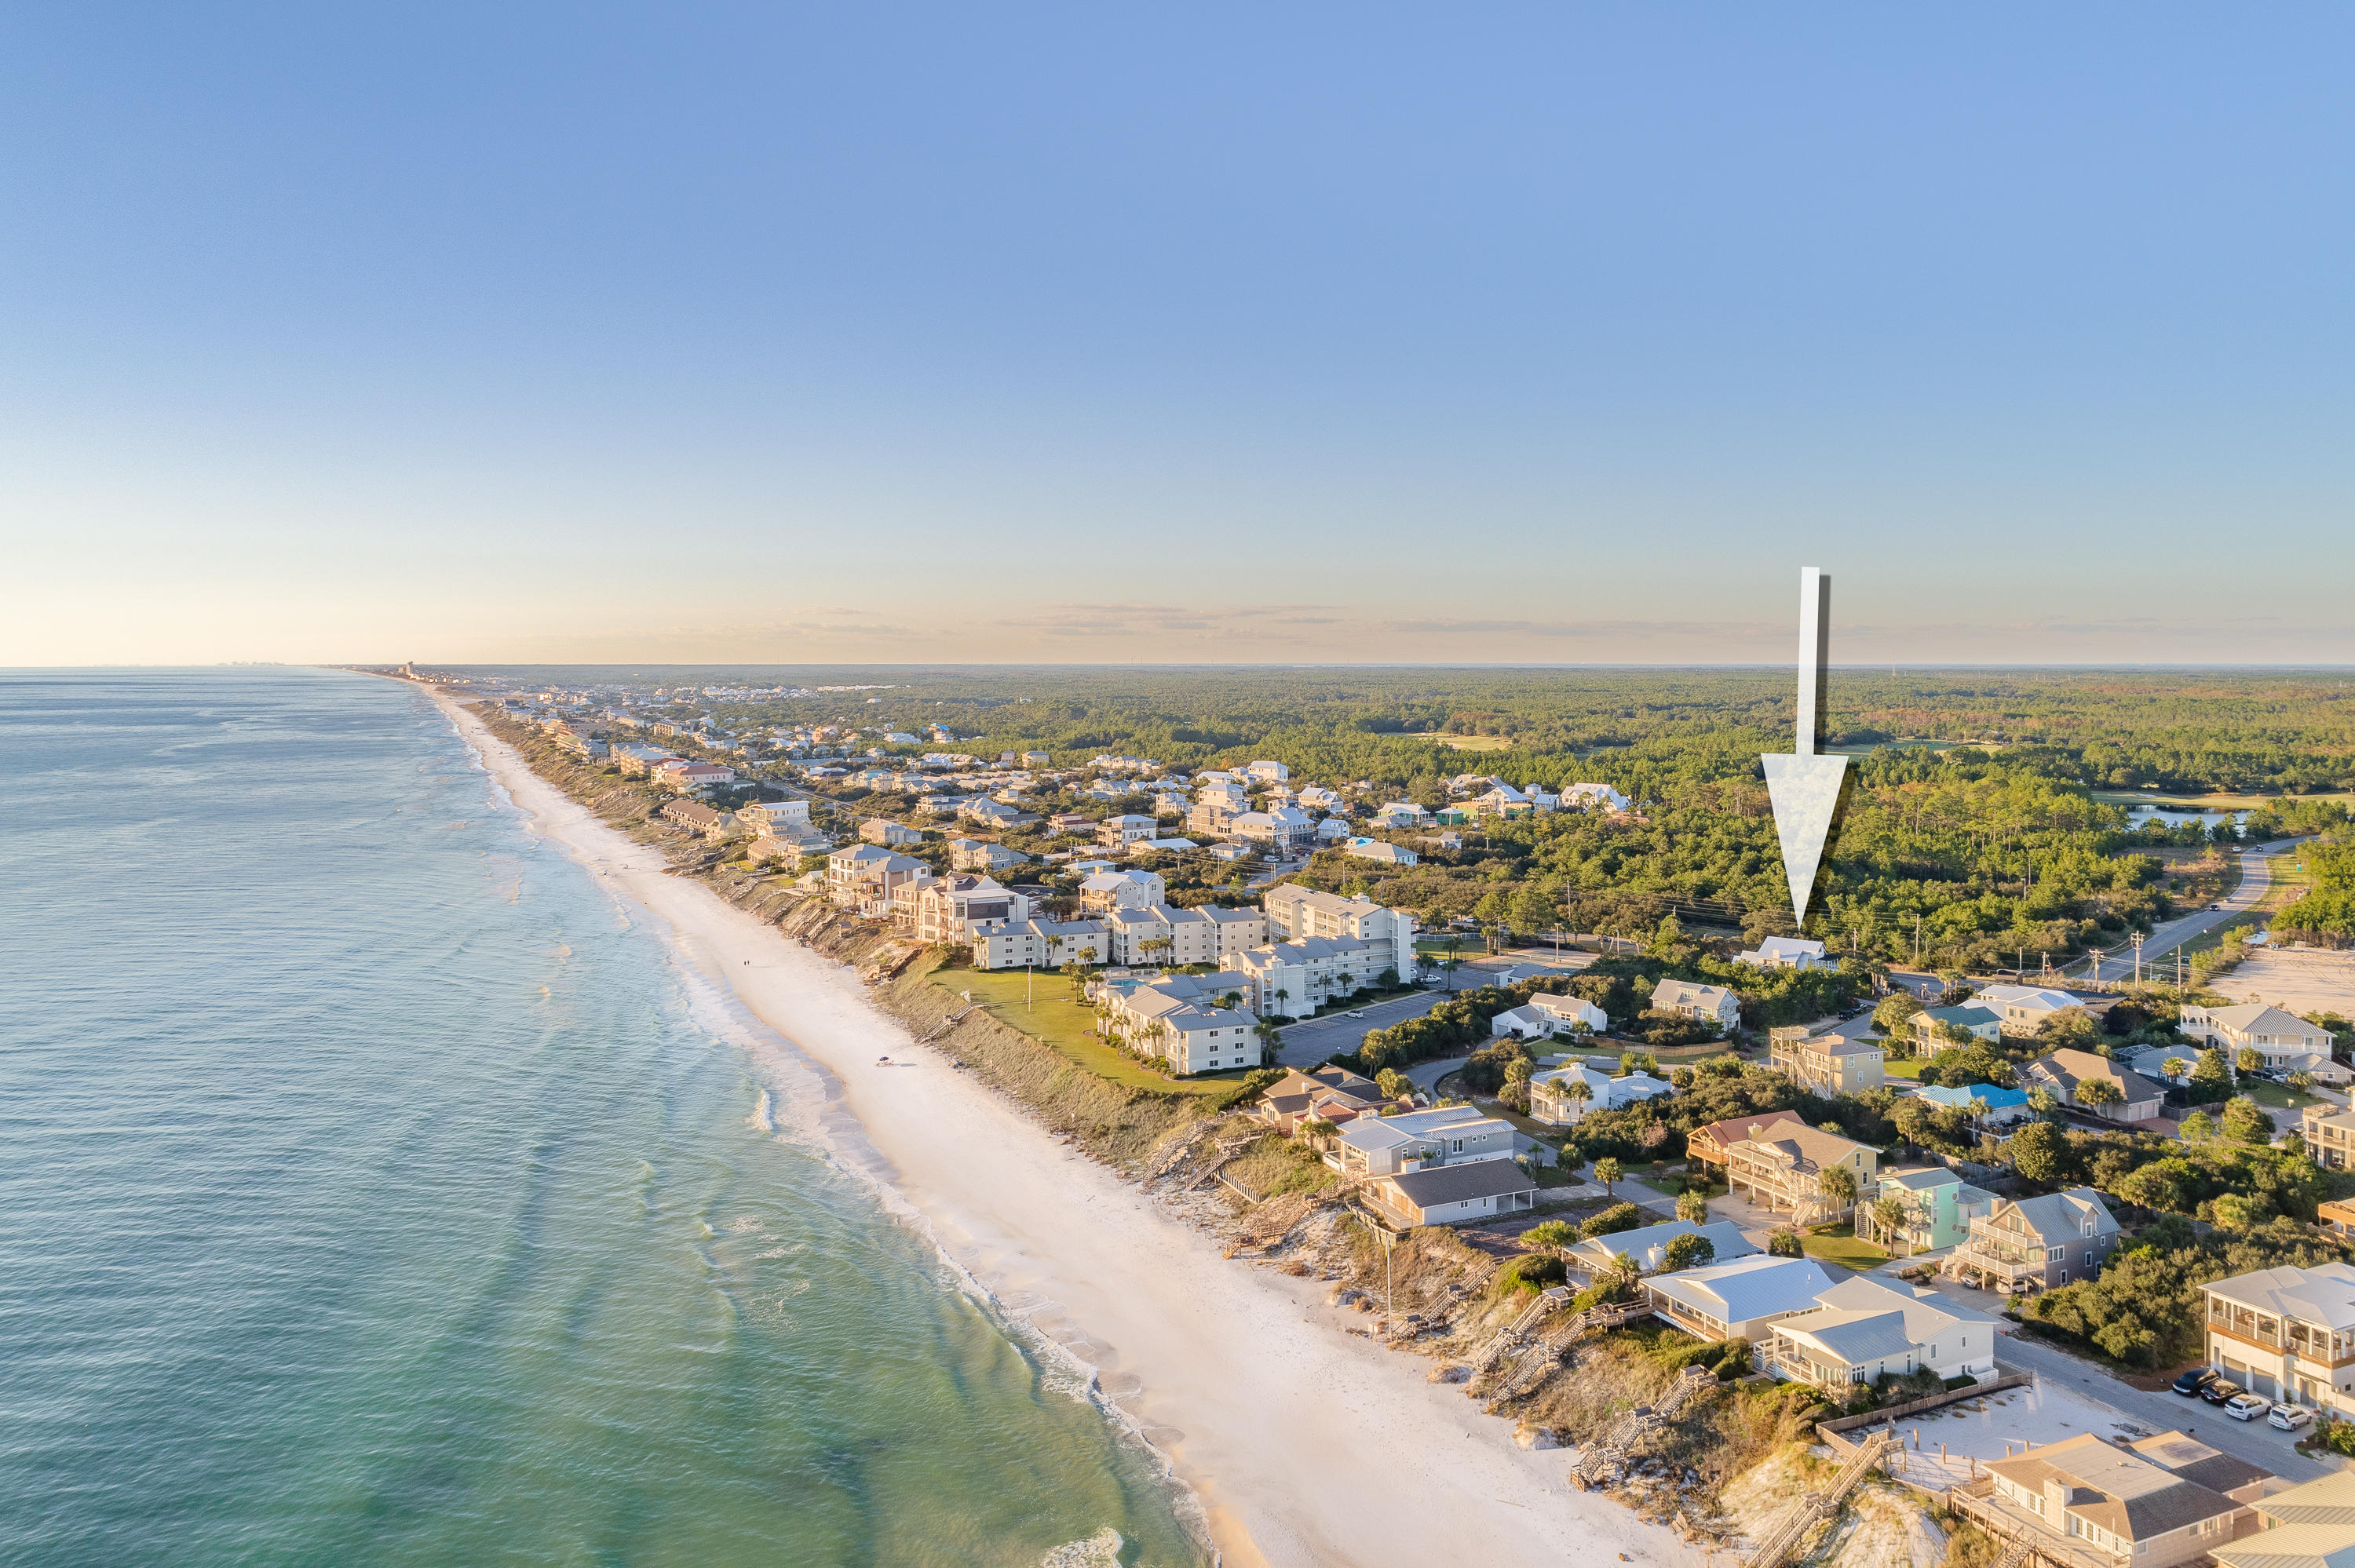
(1537, 334)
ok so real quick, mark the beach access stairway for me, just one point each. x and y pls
(1525, 1352)
(951, 1022)
(1791, 1526)
(1608, 1457)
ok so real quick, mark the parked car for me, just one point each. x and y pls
(2190, 1385)
(2289, 1417)
(2218, 1391)
(2247, 1406)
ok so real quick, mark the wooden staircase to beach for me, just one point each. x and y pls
(1609, 1457)
(1792, 1525)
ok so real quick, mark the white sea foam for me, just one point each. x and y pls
(1102, 1548)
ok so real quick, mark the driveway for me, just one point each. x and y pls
(1309, 1042)
(2252, 1440)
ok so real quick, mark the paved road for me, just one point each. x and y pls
(2256, 876)
(2252, 1440)
(1309, 1042)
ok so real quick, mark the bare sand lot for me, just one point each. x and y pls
(2301, 981)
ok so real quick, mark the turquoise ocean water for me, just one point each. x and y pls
(372, 1190)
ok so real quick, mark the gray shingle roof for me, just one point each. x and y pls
(1457, 1183)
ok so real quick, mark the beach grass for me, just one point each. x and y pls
(1066, 1026)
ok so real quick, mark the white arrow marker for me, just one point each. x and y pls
(1806, 786)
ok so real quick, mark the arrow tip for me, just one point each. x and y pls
(1806, 792)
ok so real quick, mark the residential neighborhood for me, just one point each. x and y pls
(1893, 1187)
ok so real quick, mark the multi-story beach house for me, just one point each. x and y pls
(1864, 1328)
(1647, 1246)
(954, 909)
(2132, 1097)
(1741, 1299)
(1826, 1063)
(1935, 1028)
(1939, 1207)
(2036, 1243)
(884, 832)
(1453, 1135)
(1296, 914)
(1106, 891)
(863, 877)
(1545, 1015)
(1450, 1194)
(2088, 1503)
(2286, 1043)
(1710, 1003)
(982, 854)
(2286, 1333)
(1709, 1144)
(1783, 1167)
(2329, 1132)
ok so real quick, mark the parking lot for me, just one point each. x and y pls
(1309, 1042)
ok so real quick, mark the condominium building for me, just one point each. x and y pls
(1041, 944)
(1293, 980)
(1164, 934)
(1296, 912)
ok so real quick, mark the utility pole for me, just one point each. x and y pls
(2138, 959)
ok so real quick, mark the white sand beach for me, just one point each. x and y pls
(1305, 1445)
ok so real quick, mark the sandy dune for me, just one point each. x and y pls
(1305, 1445)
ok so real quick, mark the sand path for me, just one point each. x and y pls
(1305, 1444)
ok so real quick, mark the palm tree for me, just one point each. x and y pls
(1838, 1185)
(1888, 1217)
(1284, 999)
(2096, 1093)
(1607, 1171)
(1270, 1037)
(1577, 1090)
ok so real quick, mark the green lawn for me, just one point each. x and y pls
(1838, 1243)
(1068, 1026)
(1904, 1066)
(2276, 1096)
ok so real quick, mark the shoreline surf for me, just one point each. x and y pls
(1302, 1444)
